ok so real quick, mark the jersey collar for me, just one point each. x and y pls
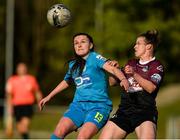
(145, 62)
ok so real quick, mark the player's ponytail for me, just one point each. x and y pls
(151, 37)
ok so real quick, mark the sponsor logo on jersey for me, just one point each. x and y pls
(101, 57)
(83, 80)
(134, 86)
(160, 68)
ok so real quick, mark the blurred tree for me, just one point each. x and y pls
(2, 53)
(113, 24)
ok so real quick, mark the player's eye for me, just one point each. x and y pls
(83, 41)
(75, 43)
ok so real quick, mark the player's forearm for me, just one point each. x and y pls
(39, 95)
(145, 84)
(9, 104)
(118, 73)
(114, 71)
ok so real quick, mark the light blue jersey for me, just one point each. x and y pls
(92, 84)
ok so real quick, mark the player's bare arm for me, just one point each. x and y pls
(115, 71)
(60, 87)
(144, 83)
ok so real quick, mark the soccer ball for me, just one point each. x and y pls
(59, 15)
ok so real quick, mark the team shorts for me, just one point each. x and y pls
(82, 112)
(128, 122)
(21, 111)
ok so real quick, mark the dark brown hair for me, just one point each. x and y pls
(151, 37)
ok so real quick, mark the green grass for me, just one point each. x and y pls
(46, 121)
(165, 113)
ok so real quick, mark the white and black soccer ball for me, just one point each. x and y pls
(59, 15)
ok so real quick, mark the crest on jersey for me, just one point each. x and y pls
(145, 68)
(156, 77)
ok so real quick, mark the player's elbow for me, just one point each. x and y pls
(112, 81)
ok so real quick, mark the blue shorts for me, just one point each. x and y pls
(82, 112)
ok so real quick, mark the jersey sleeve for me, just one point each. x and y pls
(9, 87)
(100, 60)
(156, 73)
(68, 76)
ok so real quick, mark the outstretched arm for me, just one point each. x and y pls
(118, 73)
(113, 80)
(62, 85)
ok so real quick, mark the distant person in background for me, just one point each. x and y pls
(22, 90)
(91, 105)
(137, 111)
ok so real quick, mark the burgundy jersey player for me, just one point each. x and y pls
(137, 111)
(151, 70)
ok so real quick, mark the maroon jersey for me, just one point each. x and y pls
(136, 97)
(152, 71)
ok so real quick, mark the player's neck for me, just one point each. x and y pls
(146, 60)
(22, 75)
(85, 57)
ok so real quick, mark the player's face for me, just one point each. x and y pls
(82, 45)
(21, 69)
(140, 47)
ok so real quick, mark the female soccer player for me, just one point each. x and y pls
(137, 110)
(91, 105)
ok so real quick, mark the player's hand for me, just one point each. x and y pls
(113, 63)
(43, 102)
(125, 84)
(129, 70)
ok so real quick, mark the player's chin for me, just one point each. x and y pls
(82, 54)
(136, 54)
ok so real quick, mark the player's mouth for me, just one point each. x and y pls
(80, 49)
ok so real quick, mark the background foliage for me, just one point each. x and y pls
(114, 26)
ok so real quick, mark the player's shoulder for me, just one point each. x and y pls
(71, 63)
(30, 77)
(97, 56)
(156, 62)
(13, 77)
(157, 65)
(93, 54)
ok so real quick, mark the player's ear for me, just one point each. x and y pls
(91, 46)
(149, 46)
